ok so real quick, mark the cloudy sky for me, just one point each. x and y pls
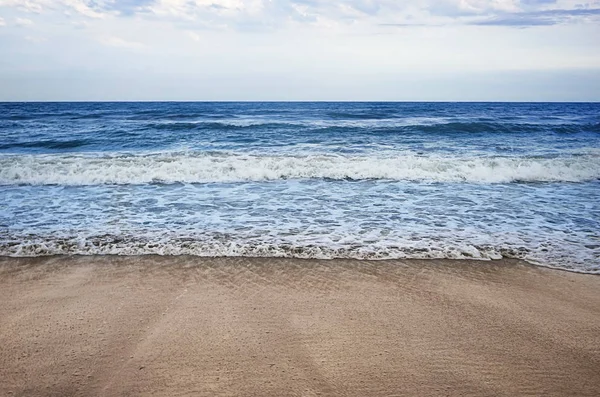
(300, 50)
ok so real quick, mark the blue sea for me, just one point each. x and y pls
(308, 180)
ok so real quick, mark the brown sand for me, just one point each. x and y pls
(110, 326)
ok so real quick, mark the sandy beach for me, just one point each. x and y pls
(174, 326)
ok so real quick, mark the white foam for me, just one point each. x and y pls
(231, 167)
(425, 249)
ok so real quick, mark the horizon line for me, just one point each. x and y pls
(293, 101)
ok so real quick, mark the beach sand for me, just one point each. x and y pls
(175, 326)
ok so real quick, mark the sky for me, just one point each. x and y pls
(404, 50)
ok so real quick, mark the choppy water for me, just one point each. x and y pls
(322, 180)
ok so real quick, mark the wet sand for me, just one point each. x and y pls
(137, 326)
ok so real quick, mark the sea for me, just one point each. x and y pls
(319, 180)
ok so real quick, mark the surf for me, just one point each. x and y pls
(168, 168)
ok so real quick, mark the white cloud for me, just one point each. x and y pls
(376, 46)
(483, 6)
(269, 14)
(23, 22)
(21, 3)
(114, 41)
(82, 7)
(194, 36)
(36, 39)
(2, 23)
(35, 6)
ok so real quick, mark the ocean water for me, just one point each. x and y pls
(307, 180)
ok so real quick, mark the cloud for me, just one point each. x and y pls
(306, 49)
(85, 9)
(538, 18)
(35, 6)
(194, 36)
(2, 23)
(246, 14)
(23, 22)
(124, 7)
(114, 41)
(88, 8)
(269, 14)
(36, 39)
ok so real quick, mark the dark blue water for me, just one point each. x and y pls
(324, 180)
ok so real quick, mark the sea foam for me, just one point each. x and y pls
(123, 169)
(307, 180)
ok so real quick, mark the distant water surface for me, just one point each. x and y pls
(308, 180)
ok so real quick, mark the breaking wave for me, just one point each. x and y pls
(34, 246)
(168, 168)
(29, 246)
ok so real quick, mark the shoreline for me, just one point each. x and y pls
(521, 261)
(152, 325)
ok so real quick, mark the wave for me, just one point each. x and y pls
(34, 246)
(221, 125)
(47, 144)
(394, 127)
(371, 115)
(386, 125)
(168, 168)
(483, 127)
